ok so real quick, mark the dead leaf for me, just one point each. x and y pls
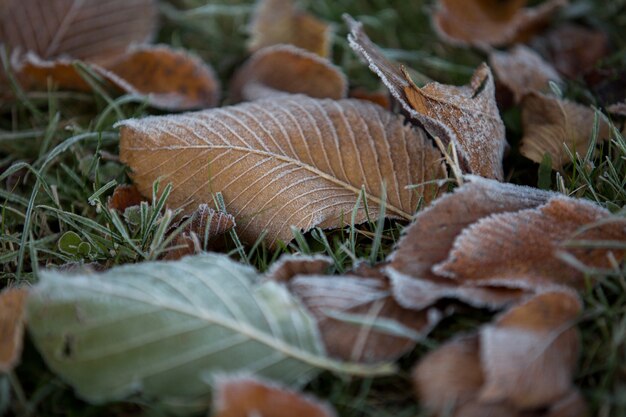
(246, 396)
(618, 109)
(530, 353)
(205, 225)
(280, 22)
(572, 49)
(272, 175)
(571, 405)
(485, 23)
(287, 69)
(12, 320)
(92, 30)
(124, 196)
(521, 249)
(449, 215)
(357, 317)
(466, 116)
(288, 266)
(169, 79)
(522, 70)
(551, 124)
(377, 97)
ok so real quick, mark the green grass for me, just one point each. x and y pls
(58, 164)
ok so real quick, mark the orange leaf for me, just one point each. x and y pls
(466, 116)
(279, 22)
(242, 396)
(12, 320)
(287, 69)
(521, 249)
(288, 266)
(491, 22)
(124, 196)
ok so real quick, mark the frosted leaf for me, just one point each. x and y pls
(288, 266)
(466, 116)
(522, 70)
(287, 69)
(521, 249)
(484, 23)
(91, 30)
(551, 125)
(12, 321)
(288, 161)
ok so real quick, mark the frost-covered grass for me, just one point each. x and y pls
(58, 162)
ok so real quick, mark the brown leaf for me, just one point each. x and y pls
(571, 405)
(124, 196)
(450, 376)
(466, 116)
(618, 109)
(288, 266)
(450, 214)
(242, 396)
(206, 224)
(521, 70)
(287, 69)
(572, 49)
(280, 22)
(491, 22)
(169, 79)
(12, 319)
(350, 310)
(380, 98)
(521, 249)
(271, 174)
(92, 30)
(529, 354)
(551, 124)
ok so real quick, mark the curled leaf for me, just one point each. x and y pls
(163, 330)
(530, 353)
(91, 30)
(280, 22)
(12, 321)
(167, 78)
(204, 226)
(241, 396)
(358, 318)
(288, 266)
(287, 69)
(485, 23)
(521, 70)
(466, 116)
(551, 125)
(521, 249)
(311, 157)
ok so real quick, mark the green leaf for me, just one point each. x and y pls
(69, 242)
(163, 329)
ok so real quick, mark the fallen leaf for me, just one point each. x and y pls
(530, 353)
(287, 69)
(91, 30)
(466, 116)
(244, 396)
(521, 249)
(12, 320)
(521, 70)
(165, 329)
(259, 149)
(280, 22)
(358, 318)
(618, 109)
(377, 97)
(205, 224)
(288, 266)
(169, 79)
(124, 196)
(485, 23)
(551, 124)
(449, 376)
(450, 214)
(571, 405)
(572, 49)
